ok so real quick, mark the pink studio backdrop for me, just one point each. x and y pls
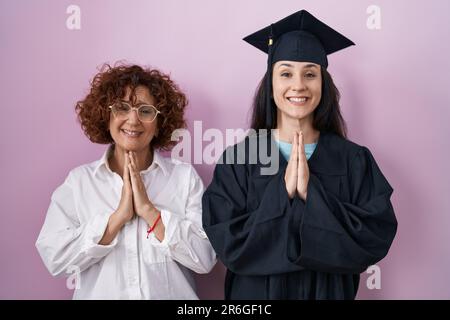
(395, 98)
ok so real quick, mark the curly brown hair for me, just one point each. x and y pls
(110, 84)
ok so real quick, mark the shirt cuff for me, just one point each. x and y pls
(94, 232)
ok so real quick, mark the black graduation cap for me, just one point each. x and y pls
(298, 37)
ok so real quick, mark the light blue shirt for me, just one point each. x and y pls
(286, 149)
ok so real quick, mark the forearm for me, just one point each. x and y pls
(151, 216)
(159, 230)
(115, 223)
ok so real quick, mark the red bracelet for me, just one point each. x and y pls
(154, 225)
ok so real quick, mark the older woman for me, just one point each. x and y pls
(131, 221)
(310, 228)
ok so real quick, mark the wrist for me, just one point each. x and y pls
(154, 224)
(291, 195)
(150, 214)
(303, 195)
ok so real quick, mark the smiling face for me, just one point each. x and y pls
(297, 89)
(131, 134)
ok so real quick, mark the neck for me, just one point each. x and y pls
(144, 159)
(286, 127)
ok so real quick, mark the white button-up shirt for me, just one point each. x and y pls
(132, 266)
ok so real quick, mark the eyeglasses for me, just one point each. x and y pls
(145, 112)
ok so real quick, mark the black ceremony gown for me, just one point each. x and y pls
(277, 248)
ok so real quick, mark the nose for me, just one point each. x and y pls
(298, 84)
(133, 116)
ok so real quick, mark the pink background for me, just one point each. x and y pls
(395, 98)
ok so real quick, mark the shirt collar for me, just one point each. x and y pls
(104, 160)
(158, 161)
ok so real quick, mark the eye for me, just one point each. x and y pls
(122, 106)
(310, 75)
(285, 74)
(147, 110)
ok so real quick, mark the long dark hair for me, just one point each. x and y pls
(327, 115)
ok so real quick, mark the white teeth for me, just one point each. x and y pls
(294, 99)
(131, 133)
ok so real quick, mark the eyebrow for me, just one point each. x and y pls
(310, 65)
(138, 102)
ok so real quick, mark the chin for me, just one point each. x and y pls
(135, 147)
(299, 116)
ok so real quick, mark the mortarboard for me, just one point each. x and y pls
(298, 37)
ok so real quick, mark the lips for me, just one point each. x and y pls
(131, 133)
(298, 100)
